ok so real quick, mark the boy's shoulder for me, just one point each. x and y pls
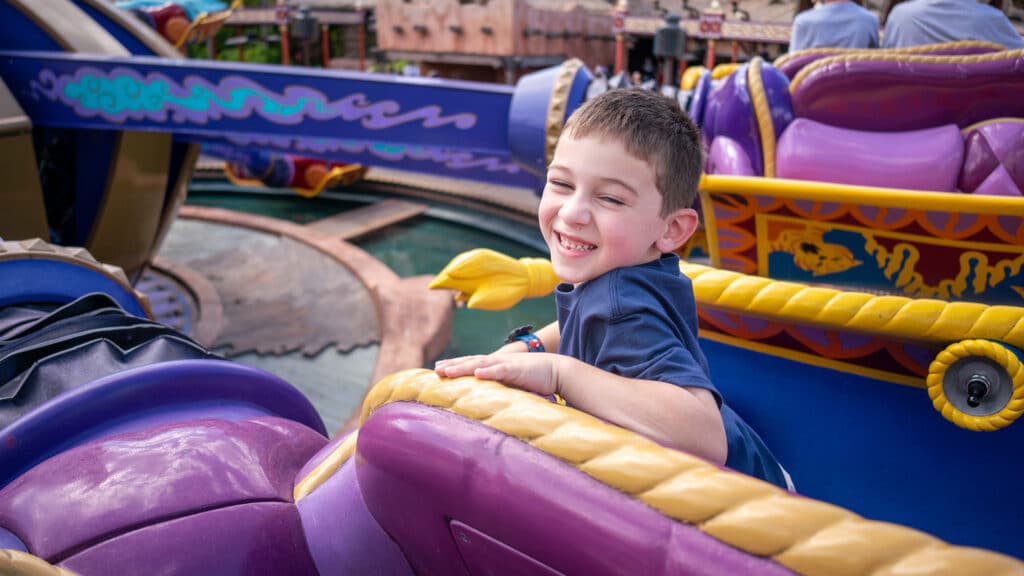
(632, 289)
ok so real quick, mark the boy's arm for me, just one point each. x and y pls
(549, 336)
(687, 418)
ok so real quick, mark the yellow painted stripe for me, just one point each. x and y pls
(861, 195)
(327, 467)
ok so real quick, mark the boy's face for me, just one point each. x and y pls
(600, 209)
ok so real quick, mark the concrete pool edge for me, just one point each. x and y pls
(415, 323)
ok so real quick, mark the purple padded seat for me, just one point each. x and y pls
(994, 159)
(257, 539)
(165, 478)
(919, 92)
(342, 535)
(728, 157)
(728, 112)
(927, 159)
(791, 64)
(460, 497)
(699, 99)
(139, 398)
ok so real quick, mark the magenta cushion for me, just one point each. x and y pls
(928, 159)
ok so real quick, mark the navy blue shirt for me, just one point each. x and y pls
(641, 322)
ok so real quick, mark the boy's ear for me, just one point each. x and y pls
(681, 224)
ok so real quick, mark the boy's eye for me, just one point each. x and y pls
(612, 200)
(559, 184)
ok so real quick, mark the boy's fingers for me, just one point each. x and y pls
(465, 366)
(501, 372)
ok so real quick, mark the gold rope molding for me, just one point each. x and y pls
(493, 281)
(810, 537)
(558, 105)
(1000, 356)
(18, 563)
(763, 115)
(914, 319)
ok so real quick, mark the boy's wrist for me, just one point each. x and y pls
(525, 335)
(516, 346)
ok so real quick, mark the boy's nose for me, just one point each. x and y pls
(575, 211)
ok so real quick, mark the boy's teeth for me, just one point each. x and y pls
(572, 245)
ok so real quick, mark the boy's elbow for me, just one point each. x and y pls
(714, 446)
(718, 446)
(702, 432)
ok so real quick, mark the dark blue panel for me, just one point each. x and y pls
(94, 151)
(125, 37)
(18, 32)
(178, 156)
(877, 448)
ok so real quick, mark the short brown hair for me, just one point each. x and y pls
(653, 128)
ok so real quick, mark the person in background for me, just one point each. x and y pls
(918, 22)
(833, 24)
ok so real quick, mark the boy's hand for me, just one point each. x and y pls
(531, 371)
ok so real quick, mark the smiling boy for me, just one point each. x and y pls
(616, 204)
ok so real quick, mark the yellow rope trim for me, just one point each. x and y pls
(558, 104)
(722, 70)
(807, 536)
(1003, 120)
(17, 563)
(985, 349)
(690, 77)
(493, 281)
(885, 56)
(923, 49)
(763, 114)
(909, 319)
(327, 467)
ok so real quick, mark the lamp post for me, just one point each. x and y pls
(669, 45)
(304, 29)
(281, 15)
(618, 28)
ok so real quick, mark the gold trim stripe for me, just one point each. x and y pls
(861, 195)
(763, 114)
(1003, 120)
(558, 104)
(327, 467)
